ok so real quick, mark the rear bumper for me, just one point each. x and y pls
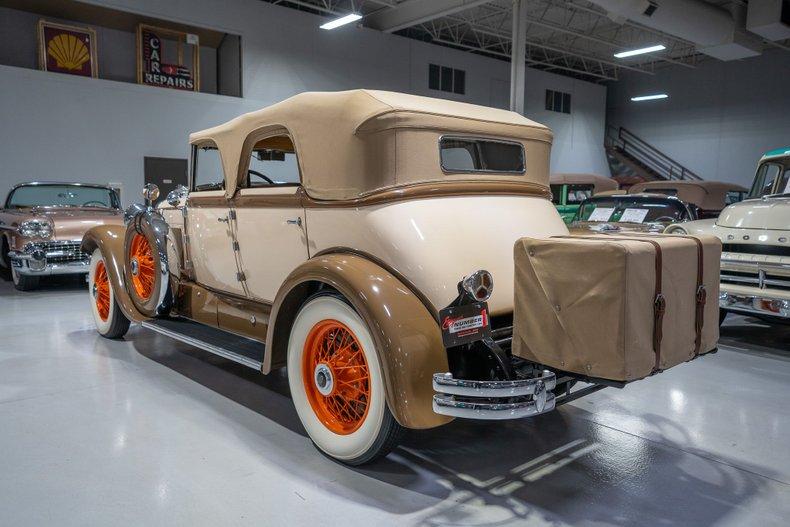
(494, 400)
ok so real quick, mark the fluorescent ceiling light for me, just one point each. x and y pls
(342, 21)
(640, 51)
(650, 97)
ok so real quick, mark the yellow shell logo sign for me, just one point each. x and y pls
(68, 51)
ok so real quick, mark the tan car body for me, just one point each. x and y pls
(375, 217)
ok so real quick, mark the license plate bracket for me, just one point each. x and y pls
(465, 324)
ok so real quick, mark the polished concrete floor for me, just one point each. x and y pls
(147, 431)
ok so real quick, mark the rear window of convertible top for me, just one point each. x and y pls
(465, 154)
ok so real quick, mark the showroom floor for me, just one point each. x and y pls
(148, 431)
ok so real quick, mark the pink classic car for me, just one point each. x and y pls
(42, 224)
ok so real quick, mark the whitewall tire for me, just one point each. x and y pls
(107, 315)
(336, 382)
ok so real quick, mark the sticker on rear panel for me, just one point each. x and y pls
(464, 324)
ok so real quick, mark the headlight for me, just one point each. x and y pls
(35, 229)
(675, 229)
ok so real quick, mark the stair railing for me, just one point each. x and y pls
(647, 155)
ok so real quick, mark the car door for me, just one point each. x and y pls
(210, 225)
(270, 228)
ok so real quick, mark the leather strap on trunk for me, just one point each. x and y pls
(659, 304)
(701, 294)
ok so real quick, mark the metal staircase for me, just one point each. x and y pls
(633, 160)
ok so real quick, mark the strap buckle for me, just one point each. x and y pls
(660, 304)
(702, 295)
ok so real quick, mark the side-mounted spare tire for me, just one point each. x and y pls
(145, 266)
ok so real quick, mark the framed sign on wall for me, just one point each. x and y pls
(153, 44)
(67, 49)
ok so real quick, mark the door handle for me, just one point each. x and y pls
(297, 222)
(223, 220)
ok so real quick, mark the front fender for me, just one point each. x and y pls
(695, 228)
(110, 240)
(408, 339)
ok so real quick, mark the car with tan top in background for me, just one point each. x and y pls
(755, 262)
(42, 224)
(397, 255)
(708, 197)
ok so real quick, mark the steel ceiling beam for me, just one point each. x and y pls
(414, 12)
(534, 62)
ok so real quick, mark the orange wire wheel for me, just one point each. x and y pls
(336, 377)
(101, 290)
(141, 260)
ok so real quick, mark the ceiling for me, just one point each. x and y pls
(568, 37)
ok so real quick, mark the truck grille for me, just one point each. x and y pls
(763, 278)
(59, 252)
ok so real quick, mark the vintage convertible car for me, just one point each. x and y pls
(42, 224)
(755, 262)
(354, 237)
(631, 212)
(709, 196)
(569, 190)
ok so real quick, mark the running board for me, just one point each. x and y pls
(241, 350)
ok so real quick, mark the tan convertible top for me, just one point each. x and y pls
(600, 183)
(346, 141)
(708, 195)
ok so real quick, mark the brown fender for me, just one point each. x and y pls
(408, 339)
(110, 239)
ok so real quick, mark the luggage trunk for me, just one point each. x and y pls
(617, 307)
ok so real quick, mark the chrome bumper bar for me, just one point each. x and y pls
(493, 399)
(754, 304)
(25, 264)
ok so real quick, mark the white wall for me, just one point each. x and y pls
(55, 126)
(719, 118)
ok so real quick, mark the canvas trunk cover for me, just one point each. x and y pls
(617, 307)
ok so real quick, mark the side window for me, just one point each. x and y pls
(764, 182)
(556, 194)
(207, 172)
(273, 162)
(734, 196)
(579, 193)
(784, 183)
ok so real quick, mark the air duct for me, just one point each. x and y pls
(770, 19)
(714, 31)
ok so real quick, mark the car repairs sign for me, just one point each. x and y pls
(464, 324)
(151, 66)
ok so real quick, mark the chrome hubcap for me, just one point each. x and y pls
(134, 265)
(94, 291)
(322, 376)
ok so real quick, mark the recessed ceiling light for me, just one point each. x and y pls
(640, 51)
(342, 21)
(650, 97)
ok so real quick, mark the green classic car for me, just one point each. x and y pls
(569, 190)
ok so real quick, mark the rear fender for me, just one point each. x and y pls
(408, 339)
(110, 240)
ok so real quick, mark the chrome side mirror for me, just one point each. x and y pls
(175, 196)
(150, 193)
